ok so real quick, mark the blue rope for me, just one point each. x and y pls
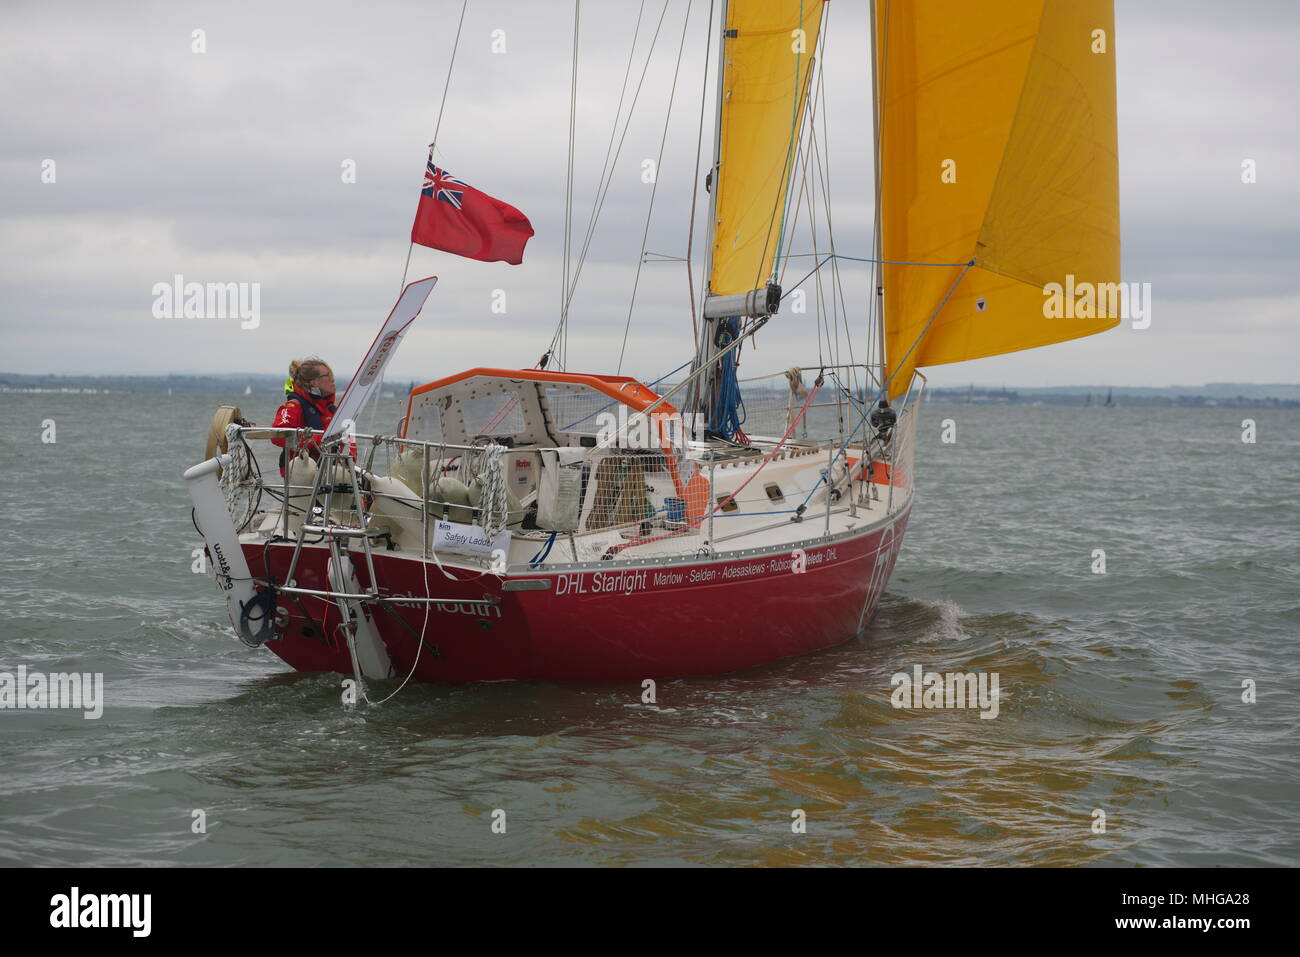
(544, 552)
(729, 410)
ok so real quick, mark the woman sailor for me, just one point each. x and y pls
(310, 404)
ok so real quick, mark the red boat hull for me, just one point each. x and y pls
(625, 624)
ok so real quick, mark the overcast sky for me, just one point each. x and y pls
(225, 166)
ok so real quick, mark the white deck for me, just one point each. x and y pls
(757, 522)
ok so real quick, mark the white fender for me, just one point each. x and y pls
(371, 654)
(403, 518)
(218, 530)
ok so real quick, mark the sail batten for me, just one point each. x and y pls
(997, 144)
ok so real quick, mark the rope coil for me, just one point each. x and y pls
(493, 505)
(242, 499)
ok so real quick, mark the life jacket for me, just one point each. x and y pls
(311, 417)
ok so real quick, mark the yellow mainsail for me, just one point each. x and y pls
(768, 51)
(997, 143)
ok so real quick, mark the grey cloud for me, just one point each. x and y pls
(226, 166)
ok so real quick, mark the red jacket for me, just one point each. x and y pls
(291, 416)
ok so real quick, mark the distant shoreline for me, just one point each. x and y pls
(234, 385)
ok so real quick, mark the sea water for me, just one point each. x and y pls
(1147, 705)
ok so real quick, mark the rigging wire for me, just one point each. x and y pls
(561, 344)
(604, 182)
(812, 229)
(438, 125)
(822, 322)
(878, 63)
(609, 179)
(695, 177)
(818, 157)
(823, 150)
(859, 259)
(796, 127)
(802, 161)
(833, 329)
(654, 189)
(618, 110)
(884, 389)
(437, 128)
(781, 202)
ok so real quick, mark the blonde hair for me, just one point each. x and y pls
(308, 370)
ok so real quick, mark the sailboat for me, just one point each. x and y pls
(576, 525)
(1110, 398)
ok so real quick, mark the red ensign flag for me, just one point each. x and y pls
(457, 218)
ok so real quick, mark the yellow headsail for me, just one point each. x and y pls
(997, 137)
(768, 53)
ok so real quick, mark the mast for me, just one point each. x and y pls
(715, 170)
(705, 348)
(765, 52)
(877, 244)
